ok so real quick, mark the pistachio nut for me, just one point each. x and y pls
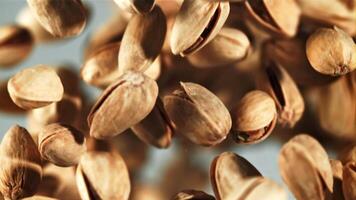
(229, 46)
(271, 15)
(276, 81)
(54, 137)
(331, 51)
(156, 128)
(35, 87)
(192, 195)
(196, 24)
(142, 41)
(120, 106)
(349, 181)
(20, 169)
(303, 160)
(198, 114)
(102, 175)
(16, 43)
(136, 6)
(6, 103)
(256, 117)
(62, 18)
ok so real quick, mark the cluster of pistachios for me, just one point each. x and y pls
(197, 72)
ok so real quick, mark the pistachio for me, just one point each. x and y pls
(142, 41)
(196, 24)
(303, 160)
(349, 181)
(276, 81)
(271, 15)
(62, 18)
(136, 6)
(198, 114)
(229, 46)
(120, 106)
(156, 128)
(6, 103)
(35, 87)
(54, 137)
(331, 51)
(20, 169)
(193, 195)
(102, 175)
(16, 44)
(256, 117)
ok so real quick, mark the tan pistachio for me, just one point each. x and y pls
(102, 175)
(61, 144)
(16, 43)
(35, 87)
(331, 51)
(349, 181)
(276, 81)
(142, 41)
(136, 6)
(255, 117)
(196, 24)
(192, 195)
(62, 18)
(156, 128)
(123, 104)
(229, 46)
(198, 114)
(271, 15)
(37, 197)
(20, 169)
(303, 160)
(6, 103)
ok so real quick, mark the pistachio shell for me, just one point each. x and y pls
(229, 46)
(6, 103)
(349, 181)
(120, 106)
(20, 169)
(102, 175)
(142, 41)
(196, 24)
(267, 190)
(198, 114)
(136, 6)
(62, 18)
(16, 44)
(193, 195)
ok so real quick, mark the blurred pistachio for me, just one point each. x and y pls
(35, 87)
(136, 6)
(142, 41)
(229, 46)
(62, 18)
(198, 114)
(331, 51)
(20, 169)
(103, 175)
(6, 103)
(276, 81)
(16, 44)
(123, 104)
(192, 195)
(255, 117)
(280, 18)
(196, 24)
(349, 181)
(303, 160)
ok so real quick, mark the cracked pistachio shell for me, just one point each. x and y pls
(54, 137)
(37, 197)
(229, 46)
(103, 175)
(62, 18)
(196, 24)
(198, 114)
(16, 44)
(192, 195)
(276, 81)
(349, 181)
(20, 169)
(331, 51)
(123, 104)
(35, 87)
(142, 41)
(136, 6)
(256, 117)
(271, 15)
(156, 128)
(303, 160)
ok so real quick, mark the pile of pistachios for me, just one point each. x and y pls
(211, 73)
